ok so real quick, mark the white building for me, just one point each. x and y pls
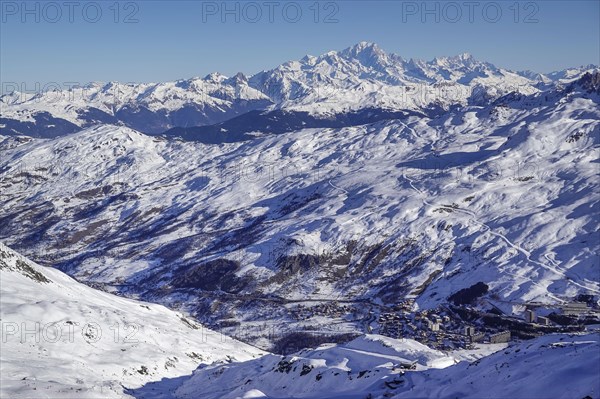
(434, 325)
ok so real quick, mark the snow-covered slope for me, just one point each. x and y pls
(152, 108)
(62, 339)
(347, 371)
(365, 76)
(557, 366)
(414, 207)
(360, 77)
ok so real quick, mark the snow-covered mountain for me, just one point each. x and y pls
(351, 370)
(242, 233)
(365, 76)
(152, 108)
(333, 84)
(555, 366)
(347, 199)
(62, 339)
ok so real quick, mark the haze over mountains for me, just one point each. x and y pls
(317, 198)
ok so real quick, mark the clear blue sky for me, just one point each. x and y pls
(182, 39)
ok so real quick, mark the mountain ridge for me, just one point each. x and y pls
(358, 77)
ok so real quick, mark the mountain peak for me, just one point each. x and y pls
(308, 59)
(215, 77)
(366, 53)
(464, 56)
(460, 58)
(589, 82)
(240, 77)
(365, 45)
(363, 48)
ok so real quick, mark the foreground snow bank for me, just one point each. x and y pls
(63, 339)
(557, 366)
(351, 370)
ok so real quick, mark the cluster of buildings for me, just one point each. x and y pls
(436, 328)
(530, 317)
(443, 328)
(574, 308)
(327, 309)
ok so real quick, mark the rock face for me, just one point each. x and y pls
(590, 82)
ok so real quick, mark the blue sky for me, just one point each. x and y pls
(149, 41)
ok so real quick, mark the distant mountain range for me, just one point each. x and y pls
(343, 86)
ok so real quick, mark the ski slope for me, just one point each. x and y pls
(62, 339)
